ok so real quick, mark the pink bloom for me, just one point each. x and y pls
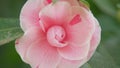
(59, 35)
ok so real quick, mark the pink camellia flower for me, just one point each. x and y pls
(63, 34)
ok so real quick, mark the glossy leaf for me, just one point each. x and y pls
(9, 30)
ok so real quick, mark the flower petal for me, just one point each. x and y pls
(30, 36)
(56, 14)
(71, 63)
(41, 55)
(72, 52)
(95, 39)
(30, 13)
(72, 2)
(81, 32)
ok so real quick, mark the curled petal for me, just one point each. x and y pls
(55, 36)
(72, 52)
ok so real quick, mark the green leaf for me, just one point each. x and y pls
(85, 3)
(54, 1)
(106, 6)
(9, 30)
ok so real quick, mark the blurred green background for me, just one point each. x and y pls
(108, 53)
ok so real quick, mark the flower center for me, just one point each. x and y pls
(56, 36)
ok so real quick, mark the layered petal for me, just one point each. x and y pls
(81, 31)
(64, 34)
(55, 14)
(30, 36)
(95, 40)
(29, 16)
(72, 2)
(72, 52)
(41, 55)
(71, 63)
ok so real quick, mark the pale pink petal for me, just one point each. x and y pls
(95, 39)
(42, 55)
(46, 22)
(72, 52)
(29, 16)
(72, 2)
(30, 36)
(56, 14)
(81, 32)
(71, 63)
(55, 36)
